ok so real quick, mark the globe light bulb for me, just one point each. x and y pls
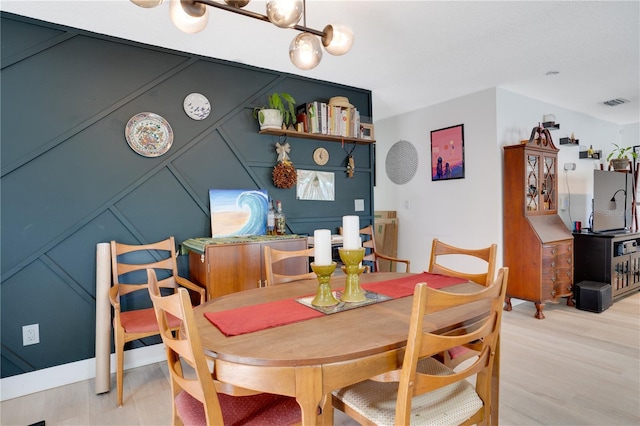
(337, 39)
(147, 4)
(188, 16)
(284, 13)
(237, 3)
(305, 51)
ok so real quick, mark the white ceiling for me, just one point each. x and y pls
(412, 54)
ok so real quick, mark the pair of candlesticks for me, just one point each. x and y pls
(352, 292)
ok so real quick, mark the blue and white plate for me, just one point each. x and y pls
(197, 106)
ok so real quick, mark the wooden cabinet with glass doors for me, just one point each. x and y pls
(538, 246)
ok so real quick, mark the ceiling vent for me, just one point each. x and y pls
(615, 102)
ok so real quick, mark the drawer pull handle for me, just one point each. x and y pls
(553, 251)
(553, 264)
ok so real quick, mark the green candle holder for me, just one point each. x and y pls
(352, 290)
(324, 296)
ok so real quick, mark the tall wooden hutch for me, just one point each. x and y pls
(538, 247)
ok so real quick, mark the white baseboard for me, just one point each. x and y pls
(60, 375)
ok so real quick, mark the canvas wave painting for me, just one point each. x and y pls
(238, 212)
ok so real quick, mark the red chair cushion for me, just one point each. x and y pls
(257, 410)
(143, 321)
(457, 351)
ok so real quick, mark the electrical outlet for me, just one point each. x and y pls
(30, 334)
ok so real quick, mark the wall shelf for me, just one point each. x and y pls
(597, 155)
(315, 136)
(569, 141)
(551, 125)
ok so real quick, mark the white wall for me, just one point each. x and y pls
(517, 115)
(468, 211)
(460, 211)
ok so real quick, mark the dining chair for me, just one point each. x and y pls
(197, 398)
(372, 255)
(284, 260)
(428, 392)
(484, 275)
(133, 317)
(487, 254)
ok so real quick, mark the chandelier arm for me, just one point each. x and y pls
(255, 15)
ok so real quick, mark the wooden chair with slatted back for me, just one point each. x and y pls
(133, 317)
(372, 255)
(277, 263)
(439, 250)
(197, 398)
(488, 254)
(428, 392)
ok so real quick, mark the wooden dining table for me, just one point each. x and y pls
(311, 358)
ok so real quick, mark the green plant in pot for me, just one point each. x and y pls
(619, 157)
(280, 111)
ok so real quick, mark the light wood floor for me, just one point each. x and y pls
(572, 368)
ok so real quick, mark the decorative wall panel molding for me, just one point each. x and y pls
(70, 180)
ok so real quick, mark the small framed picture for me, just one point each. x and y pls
(366, 131)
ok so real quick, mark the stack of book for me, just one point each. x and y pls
(322, 118)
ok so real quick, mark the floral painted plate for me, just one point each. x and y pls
(149, 134)
(197, 106)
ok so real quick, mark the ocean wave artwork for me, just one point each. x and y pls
(238, 212)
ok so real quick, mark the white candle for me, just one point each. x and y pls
(350, 232)
(322, 247)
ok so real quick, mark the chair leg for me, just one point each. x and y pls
(119, 365)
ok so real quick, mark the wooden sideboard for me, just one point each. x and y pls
(609, 257)
(225, 266)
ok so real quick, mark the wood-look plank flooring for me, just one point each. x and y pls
(572, 368)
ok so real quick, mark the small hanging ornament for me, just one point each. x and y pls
(283, 151)
(284, 173)
(350, 162)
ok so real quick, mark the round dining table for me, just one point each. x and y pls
(309, 359)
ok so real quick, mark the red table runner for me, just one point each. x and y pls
(252, 318)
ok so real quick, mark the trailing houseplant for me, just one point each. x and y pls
(284, 104)
(619, 157)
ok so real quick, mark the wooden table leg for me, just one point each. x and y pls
(309, 393)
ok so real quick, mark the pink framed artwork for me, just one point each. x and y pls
(447, 153)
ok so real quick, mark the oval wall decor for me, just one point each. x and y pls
(402, 162)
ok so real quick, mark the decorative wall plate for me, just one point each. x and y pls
(149, 134)
(197, 106)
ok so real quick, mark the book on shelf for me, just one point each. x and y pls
(303, 117)
(322, 118)
(312, 113)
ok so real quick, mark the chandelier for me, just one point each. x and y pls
(305, 51)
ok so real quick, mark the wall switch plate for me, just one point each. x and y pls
(359, 205)
(30, 334)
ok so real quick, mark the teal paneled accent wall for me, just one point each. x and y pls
(70, 181)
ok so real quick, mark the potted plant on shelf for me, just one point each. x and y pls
(280, 112)
(619, 157)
